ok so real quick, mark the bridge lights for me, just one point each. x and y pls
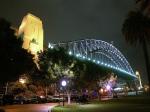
(93, 60)
(108, 65)
(89, 59)
(83, 57)
(70, 53)
(50, 46)
(77, 55)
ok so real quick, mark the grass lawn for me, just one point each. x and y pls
(127, 104)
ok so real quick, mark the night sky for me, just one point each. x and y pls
(67, 20)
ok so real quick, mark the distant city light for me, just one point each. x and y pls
(101, 90)
(108, 87)
(50, 46)
(22, 81)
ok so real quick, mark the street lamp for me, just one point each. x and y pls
(63, 83)
(139, 79)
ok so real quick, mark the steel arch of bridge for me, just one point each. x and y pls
(100, 52)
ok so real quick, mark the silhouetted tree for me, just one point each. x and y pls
(136, 29)
(15, 60)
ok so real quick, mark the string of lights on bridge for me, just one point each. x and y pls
(101, 63)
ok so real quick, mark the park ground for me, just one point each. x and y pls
(125, 104)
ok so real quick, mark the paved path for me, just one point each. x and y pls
(28, 107)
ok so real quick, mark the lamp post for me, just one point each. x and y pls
(6, 88)
(63, 83)
(139, 79)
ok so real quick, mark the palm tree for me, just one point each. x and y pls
(136, 29)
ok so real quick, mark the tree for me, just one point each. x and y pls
(136, 29)
(56, 64)
(15, 60)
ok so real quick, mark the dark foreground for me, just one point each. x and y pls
(28, 107)
(127, 104)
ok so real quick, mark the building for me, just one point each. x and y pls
(31, 30)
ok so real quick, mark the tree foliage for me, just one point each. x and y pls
(56, 64)
(136, 28)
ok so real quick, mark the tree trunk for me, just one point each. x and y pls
(6, 88)
(46, 91)
(69, 97)
(147, 62)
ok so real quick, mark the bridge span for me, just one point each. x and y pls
(99, 52)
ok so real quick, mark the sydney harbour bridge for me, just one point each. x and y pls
(99, 52)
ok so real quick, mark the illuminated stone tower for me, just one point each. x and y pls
(31, 29)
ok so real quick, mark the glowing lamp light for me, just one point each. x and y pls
(137, 72)
(105, 90)
(101, 90)
(41, 96)
(63, 83)
(22, 81)
(108, 87)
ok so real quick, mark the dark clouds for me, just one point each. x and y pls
(66, 20)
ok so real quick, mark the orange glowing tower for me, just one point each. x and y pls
(31, 29)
